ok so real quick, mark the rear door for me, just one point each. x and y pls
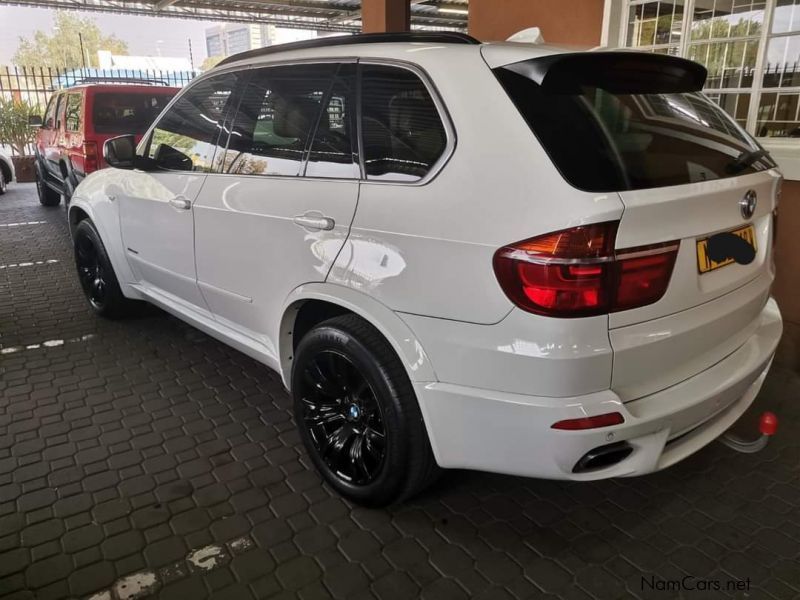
(280, 209)
(156, 206)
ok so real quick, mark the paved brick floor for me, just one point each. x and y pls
(143, 455)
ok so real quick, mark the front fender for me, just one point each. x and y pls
(398, 334)
(92, 198)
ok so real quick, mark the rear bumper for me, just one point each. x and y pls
(511, 433)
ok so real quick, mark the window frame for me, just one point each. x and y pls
(80, 99)
(52, 105)
(441, 108)
(425, 78)
(143, 149)
(230, 117)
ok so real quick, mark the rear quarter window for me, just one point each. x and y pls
(402, 131)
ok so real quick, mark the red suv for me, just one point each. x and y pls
(69, 144)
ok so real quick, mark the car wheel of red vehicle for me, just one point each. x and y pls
(47, 196)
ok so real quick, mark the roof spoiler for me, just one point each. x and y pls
(621, 72)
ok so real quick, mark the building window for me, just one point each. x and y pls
(751, 49)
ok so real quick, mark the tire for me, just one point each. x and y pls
(3, 182)
(47, 196)
(96, 275)
(358, 415)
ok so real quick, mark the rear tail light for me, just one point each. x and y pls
(576, 272)
(90, 161)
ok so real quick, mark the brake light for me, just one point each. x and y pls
(606, 420)
(90, 163)
(576, 272)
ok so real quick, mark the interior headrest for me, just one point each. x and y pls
(294, 117)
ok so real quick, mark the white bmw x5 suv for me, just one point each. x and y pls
(504, 257)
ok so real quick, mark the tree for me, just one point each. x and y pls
(14, 128)
(210, 63)
(62, 49)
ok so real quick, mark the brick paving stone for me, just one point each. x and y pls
(139, 441)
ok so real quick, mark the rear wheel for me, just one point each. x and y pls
(96, 275)
(358, 415)
(3, 182)
(47, 195)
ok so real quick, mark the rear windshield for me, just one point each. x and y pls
(126, 112)
(604, 141)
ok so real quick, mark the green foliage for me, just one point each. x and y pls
(14, 128)
(210, 63)
(62, 48)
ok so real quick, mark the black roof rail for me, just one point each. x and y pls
(432, 37)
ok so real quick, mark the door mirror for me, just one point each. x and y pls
(34, 120)
(120, 152)
(167, 157)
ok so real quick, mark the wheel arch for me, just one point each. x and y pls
(313, 303)
(105, 220)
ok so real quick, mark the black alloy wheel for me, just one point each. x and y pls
(96, 275)
(358, 415)
(343, 417)
(90, 272)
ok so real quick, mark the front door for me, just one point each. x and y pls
(157, 205)
(280, 210)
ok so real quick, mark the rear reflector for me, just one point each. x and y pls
(576, 272)
(595, 422)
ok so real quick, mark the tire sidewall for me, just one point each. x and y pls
(113, 295)
(393, 472)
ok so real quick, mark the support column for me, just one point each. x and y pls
(381, 16)
(560, 21)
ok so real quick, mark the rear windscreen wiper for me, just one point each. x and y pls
(744, 160)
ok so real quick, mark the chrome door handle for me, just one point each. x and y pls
(181, 203)
(314, 222)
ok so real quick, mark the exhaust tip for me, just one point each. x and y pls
(602, 457)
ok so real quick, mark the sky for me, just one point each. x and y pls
(143, 34)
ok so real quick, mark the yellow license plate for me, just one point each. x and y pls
(705, 264)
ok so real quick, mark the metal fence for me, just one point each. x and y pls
(35, 85)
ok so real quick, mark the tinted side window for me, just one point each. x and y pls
(403, 135)
(60, 102)
(72, 113)
(185, 139)
(279, 109)
(334, 152)
(121, 112)
(50, 113)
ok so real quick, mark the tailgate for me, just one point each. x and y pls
(704, 316)
(691, 213)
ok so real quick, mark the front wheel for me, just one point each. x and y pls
(47, 195)
(96, 275)
(358, 415)
(3, 183)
